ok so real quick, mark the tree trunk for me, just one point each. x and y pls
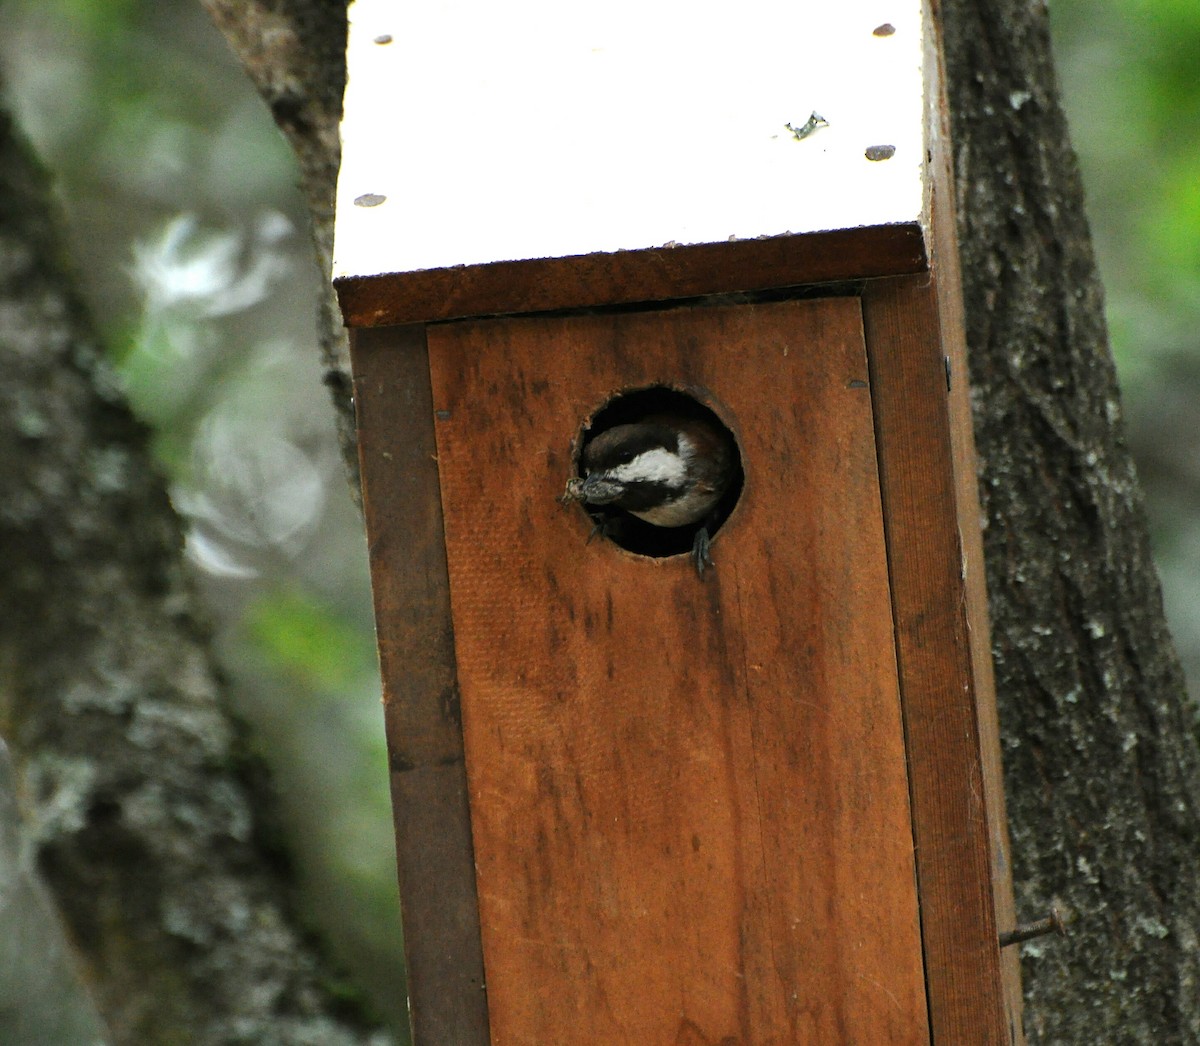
(140, 802)
(1101, 761)
(1102, 764)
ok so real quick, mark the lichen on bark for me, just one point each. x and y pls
(1101, 761)
(141, 805)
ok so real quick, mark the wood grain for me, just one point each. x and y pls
(690, 803)
(947, 278)
(620, 277)
(447, 1003)
(937, 671)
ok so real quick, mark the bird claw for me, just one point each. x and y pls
(602, 526)
(700, 553)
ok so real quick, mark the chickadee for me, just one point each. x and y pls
(668, 470)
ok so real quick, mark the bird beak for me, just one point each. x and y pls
(594, 489)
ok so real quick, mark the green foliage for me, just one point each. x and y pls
(303, 638)
(1172, 222)
(110, 20)
(1131, 77)
(176, 183)
(187, 233)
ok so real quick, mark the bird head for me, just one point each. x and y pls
(668, 471)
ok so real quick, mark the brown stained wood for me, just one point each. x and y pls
(948, 284)
(690, 804)
(937, 668)
(970, 517)
(447, 1002)
(948, 287)
(630, 276)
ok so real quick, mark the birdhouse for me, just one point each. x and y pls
(670, 496)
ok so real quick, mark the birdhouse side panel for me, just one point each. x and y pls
(932, 594)
(447, 1002)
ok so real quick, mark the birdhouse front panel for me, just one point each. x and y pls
(689, 796)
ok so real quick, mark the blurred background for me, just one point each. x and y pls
(191, 245)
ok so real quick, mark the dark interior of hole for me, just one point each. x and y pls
(628, 531)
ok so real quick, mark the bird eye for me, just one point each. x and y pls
(625, 457)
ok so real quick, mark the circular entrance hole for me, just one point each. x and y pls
(660, 404)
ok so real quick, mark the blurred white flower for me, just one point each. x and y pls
(214, 557)
(251, 492)
(204, 274)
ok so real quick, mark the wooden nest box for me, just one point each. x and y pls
(635, 805)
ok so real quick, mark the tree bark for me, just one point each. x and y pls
(141, 804)
(1101, 760)
(294, 52)
(1102, 763)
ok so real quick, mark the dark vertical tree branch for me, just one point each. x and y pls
(1101, 760)
(294, 51)
(130, 771)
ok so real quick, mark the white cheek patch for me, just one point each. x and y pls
(653, 466)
